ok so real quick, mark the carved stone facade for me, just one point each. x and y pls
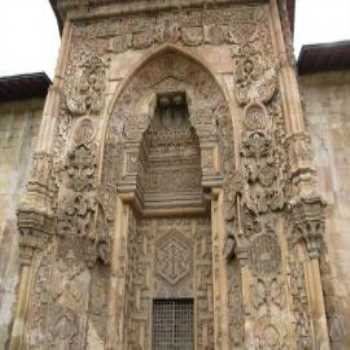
(174, 164)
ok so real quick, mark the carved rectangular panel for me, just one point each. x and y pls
(172, 324)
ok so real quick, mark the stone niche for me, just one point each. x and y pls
(170, 161)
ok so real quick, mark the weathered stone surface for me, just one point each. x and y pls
(327, 110)
(19, 127)
(173, 162)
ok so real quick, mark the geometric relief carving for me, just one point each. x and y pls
(204, 292)
(235, 303)
(269, 336)
(265, 255)
(300, 305)
(63, 329)
(255, 117)
(84, 132)
(267, 292)
(171, 135)
(174, 255)
(171, 164)
(36, 335)
(168, 142)
(165, 253)
(172, 158)
(59, 303)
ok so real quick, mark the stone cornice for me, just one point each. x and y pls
(83, 9)
(92, 8)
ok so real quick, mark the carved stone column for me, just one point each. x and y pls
(117, 294)
(36, 227)
(306, 208)
(221, 316)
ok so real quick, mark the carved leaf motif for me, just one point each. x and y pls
(80, 166)
(85, 94)
(192, 36)
(255, 80)
(75, 214)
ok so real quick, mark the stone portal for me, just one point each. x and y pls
(173, 180)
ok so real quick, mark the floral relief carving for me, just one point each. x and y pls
(85, 92)
(80, 215)
(36, 332)
(269, 336)
(193, 27)
(254, 80)
(75, 215)
(80, 167)
(300, 305)
(262, 192)
(264, 176)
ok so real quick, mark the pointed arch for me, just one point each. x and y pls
(149, 56)
(166, 69)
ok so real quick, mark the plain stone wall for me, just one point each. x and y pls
(326, 98)
(19, 126)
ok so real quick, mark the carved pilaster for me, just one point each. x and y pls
(36, 228)
(35, 219)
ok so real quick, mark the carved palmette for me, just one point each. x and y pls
(80, 215)
(85, 90)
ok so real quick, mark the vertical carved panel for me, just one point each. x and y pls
(302, 326)
(138, 286)
(98, 316)
(235, 303)
(37, 328)
(204, 286)
(70, 298)
(151, 279)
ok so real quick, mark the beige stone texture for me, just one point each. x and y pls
(19, 126)
(173, 162)
(326, 99)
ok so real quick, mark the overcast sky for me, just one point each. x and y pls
(29, 37)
